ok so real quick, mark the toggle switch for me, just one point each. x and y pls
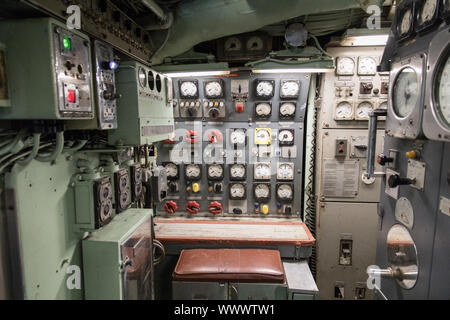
(395, 181)
(382, 159)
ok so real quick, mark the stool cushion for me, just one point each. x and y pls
(242, 265)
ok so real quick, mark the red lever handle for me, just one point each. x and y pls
(215, 207)
(171, 207)
(192, 136)
(193, 207)
(215, 136)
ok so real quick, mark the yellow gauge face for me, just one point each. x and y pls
(263, 136)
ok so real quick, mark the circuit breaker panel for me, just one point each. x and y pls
(346, 200)
(238, 149)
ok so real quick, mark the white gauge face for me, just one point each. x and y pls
(233, 44)
(287, 109)
(264, 89)
(188, 89)
(237, 136)
(213, 89)
(284, 192)
(344, 111)
(285, 171)
(262, 191)
(290, 89)
(286, 136)
(237, 171)
(215, 171)
(363, 110)
(345, 66)
(443, 92)
(383, 105)
(237, 190)
(262, 136)
(193, 171)
(405, 24)
(367, 66)
(404, 212)
(406, 92)
(171, 169)
(255, 44)
(428, 11)
(262, 171)
(263, 109)
(142, 77)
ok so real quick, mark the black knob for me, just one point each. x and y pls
(237, 211)
(383, 159)
(218, 187)
(191, 111)
(173, 186)
(395, 181)
(69, 65)
(214, 113)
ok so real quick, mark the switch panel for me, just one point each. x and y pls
(345, 252)
(341, 148)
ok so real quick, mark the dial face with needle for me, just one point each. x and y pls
(262, 191)
(215, 171)
(237, 191)
(406, 92)
(442, 88)
(344, 111)
(428, 10)
(405, 24)
(193, 171)
(237, 172)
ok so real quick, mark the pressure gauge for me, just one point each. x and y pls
(263, 109)
(285, 192)
(363, 110)
(343, 111)
(405, 93)
(255, 43)
(428, 11)
(142, 77)
(285, 171)
(262, 171)
(233, 44)
(238, 191)
(193, 172)
(261, 192)
(405, 22)
(213, 89)
(189, 89)
(287, 110)
(367, 66)
(237, 137)
(286, 137)
(404, 212)
(345, 66)
(238, 172)
(263, 136)
(290, 89)
(442, 87)
(215, 172)
(265, 88)
(171, 170)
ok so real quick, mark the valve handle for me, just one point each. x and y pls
(215, 208)
(215, 136)
(193, 207)
(192, 136)
(171, 207)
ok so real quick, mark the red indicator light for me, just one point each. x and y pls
(71, 96)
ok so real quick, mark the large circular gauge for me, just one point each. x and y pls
(238, 172)
(345, 66)
(262, 192)
(363, 110)
(405, 93)
(237, 136)
(142, 77)
(344, 111)
(367, 66)
(442, 92)
(289, 88)
(286, 137)
(263, 109)
(428, 11)
(405, 22)
(233, 44)
(285, 192)
(171, 170)
(188, 89)
(213, 89)
(404, 212)
(265, 88)
(237, 191)
(193, 172)
(287, 109)
(255, 44)
(215, 172)
(261, 171)
(285, 171)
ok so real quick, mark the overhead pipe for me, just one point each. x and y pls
(203, 20)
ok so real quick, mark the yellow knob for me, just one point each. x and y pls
(195, 187)
(210, 189)
(411, 154)
(265, 209)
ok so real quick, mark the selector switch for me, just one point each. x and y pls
(383, 159)
(395, 180)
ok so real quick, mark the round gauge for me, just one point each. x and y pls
(345, 66)
(285, 171)
(442, 89)
(262, 171)
(263, 109)
(428, 11)
(367, 66)
(255, 44)
(193, 171)
(383, 105)
(237, 191)
(287, 109)
(344, 111)
(213, 89)
(404, 212)
(237, 136)
(284, 192)
(262, 136)
(363, 110)
(215, 171)
(286, 136)
(171, 170)
(289, 88)
(406, 92)
(262, 191)
(264, 89)
(405, 23)
(237, 172)
(233, 44)
(188, 89)
(142, 77)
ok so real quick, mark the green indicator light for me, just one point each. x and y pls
(67, 43)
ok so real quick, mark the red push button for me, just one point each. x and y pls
(71, 96)
(239, 108)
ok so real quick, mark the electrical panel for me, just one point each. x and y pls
(238, 148)
(49, 70)
(144, 112)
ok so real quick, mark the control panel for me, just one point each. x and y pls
(238, 146)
